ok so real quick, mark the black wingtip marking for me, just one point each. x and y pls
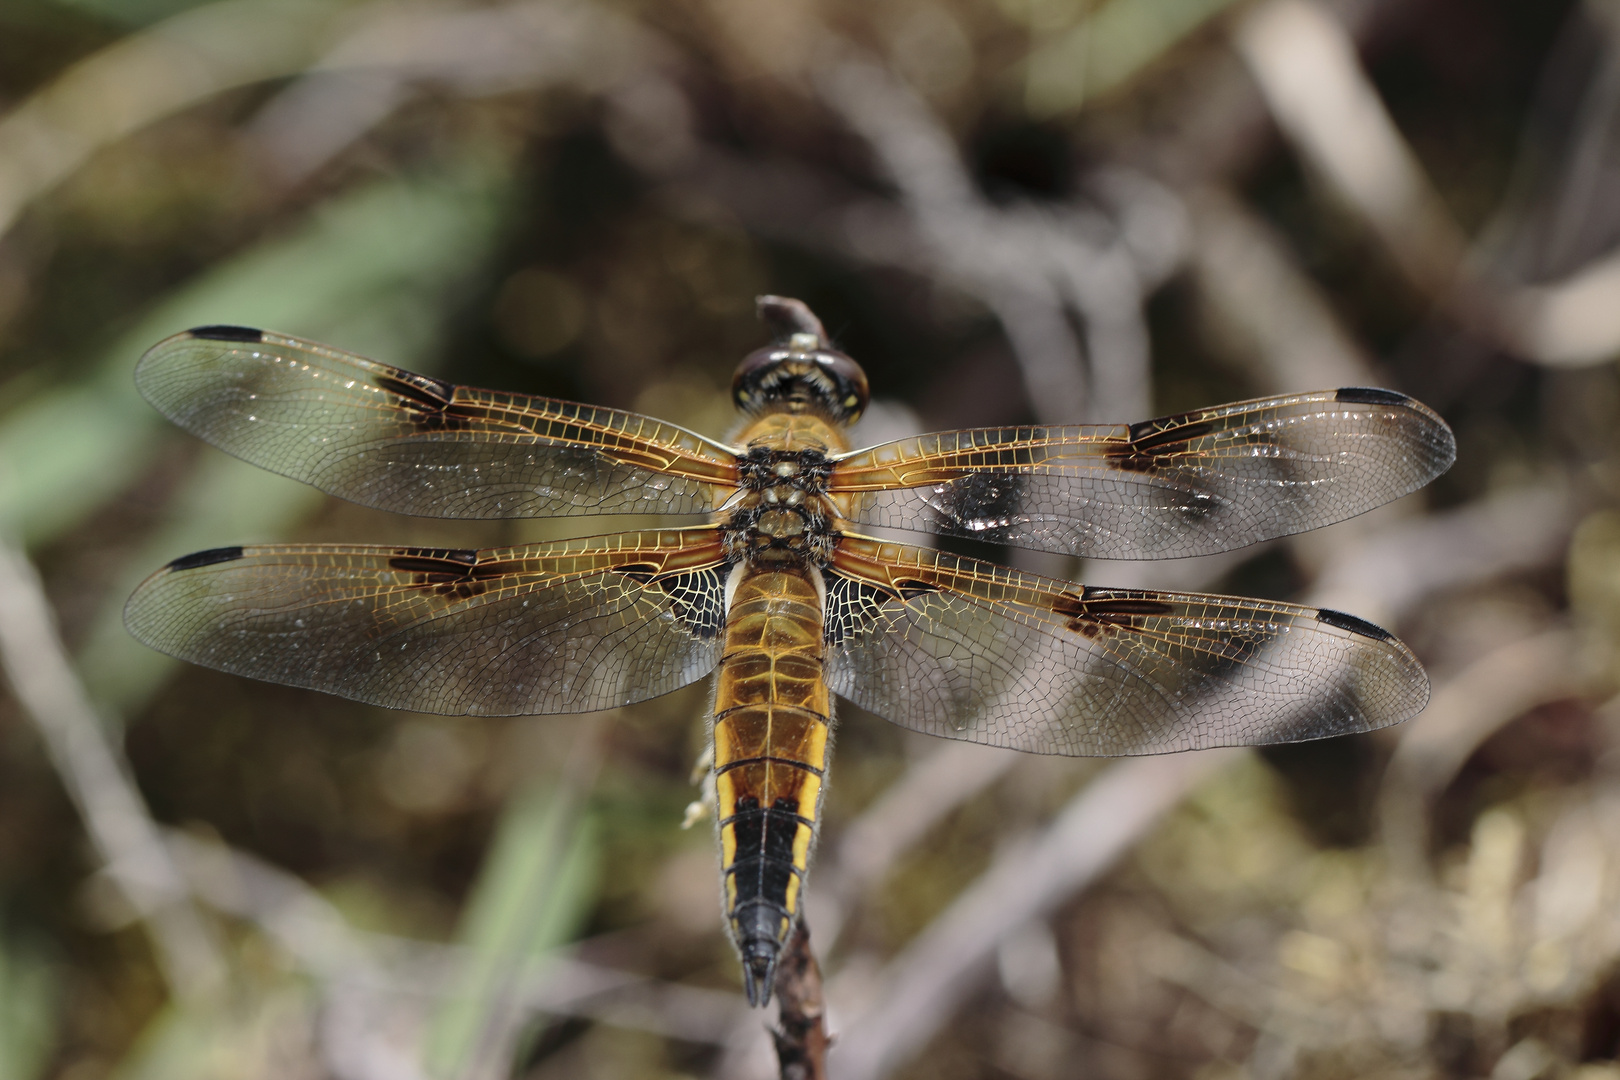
(224, 332)
(1354, 625)
(206, 558)
(1370, 395)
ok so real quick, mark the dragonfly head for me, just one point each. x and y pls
(801, 372)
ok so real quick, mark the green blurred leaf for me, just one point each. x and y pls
(29, 1000)
(1107, 48)
(535, 890)
(374, 271)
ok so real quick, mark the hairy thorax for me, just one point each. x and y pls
(781, 514)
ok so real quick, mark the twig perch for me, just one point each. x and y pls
(97, 779)
(801, 1033)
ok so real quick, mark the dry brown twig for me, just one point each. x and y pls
(1503, 684)
(149, 75)
(1026, 263)
(1531, 518)
(801, 1033)
(396, 52)
(919, 990)
(97, 779)
(922, 987)
(1304, 61)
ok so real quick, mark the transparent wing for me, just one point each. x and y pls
(969, 650)
(1193, 484)
(549, 628)
(389, 438)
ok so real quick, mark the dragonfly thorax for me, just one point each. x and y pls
(781, 513)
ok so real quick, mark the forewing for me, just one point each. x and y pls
(389, 438)
(551, 628)
(968, 650)
(1192, 484)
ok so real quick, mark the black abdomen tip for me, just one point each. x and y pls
(224, 332)
(206, 558)
(1370, 395)
(1353, 624)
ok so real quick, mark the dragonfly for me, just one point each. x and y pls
(774, 586)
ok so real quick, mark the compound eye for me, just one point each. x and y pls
(853, 392)
(745, 381)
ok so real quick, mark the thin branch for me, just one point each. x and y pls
(398, 52)
(96, 777)
(920, 989)
(142, 78)
(1024, 262)
(801, 1034)
(923, 987)
(1264, 307)
(1304, 61)
(1391, 573)
(1583, 188)
(1467, 709)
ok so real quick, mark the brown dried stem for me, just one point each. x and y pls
(97, 778)
(801, 1034)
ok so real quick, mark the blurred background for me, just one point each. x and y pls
(1009, 211)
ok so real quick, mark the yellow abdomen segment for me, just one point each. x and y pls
(771, 725)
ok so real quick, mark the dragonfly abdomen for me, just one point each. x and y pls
(771, 725)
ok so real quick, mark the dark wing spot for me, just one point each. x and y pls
(1369, 395)
(640, 573)
(1353, 624)
(223, 332)
(206, 558)
(1152, 440)
(910, 588)
(1068, 605)
(1125, 602)
(1156, 436)
(447, 571)
(1095, 608)
(456, 561)
(429, 395)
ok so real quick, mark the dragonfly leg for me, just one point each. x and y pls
(703, 807)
